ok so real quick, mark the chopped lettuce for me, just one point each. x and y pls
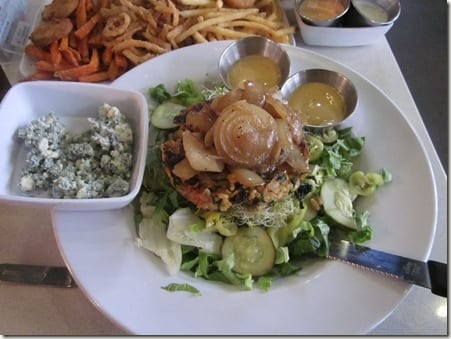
(179, 230)
(152, 236)
(187, 93)
(175, 287)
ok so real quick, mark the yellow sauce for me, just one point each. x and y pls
(321, 9)
(319, 104)
(255, 68)
(372, 11)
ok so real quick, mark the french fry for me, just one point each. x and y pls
(150, 46)
(83, 31)
(224, 18)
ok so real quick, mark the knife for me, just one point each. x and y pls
(36, 275)
(431, 274)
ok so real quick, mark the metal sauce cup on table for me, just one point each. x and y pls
(322, 13)
(371, 13)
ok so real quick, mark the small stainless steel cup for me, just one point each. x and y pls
(341, 83)
(359, 14)
(254, 45)
(323, 22)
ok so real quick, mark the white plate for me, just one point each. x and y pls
(329, 297)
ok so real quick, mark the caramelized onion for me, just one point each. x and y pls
(285, 141)
(200, 158)
(245, 134)
(245, 177)
(221, 102)
(276, 108)
(183, 170)
(254, 93)
(291, 151)
(200, 120)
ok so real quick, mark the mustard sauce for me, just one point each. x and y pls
(255, 68)
(321, 9)
(319, 104)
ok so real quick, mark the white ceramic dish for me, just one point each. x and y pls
(72, 102)
(329, 297)
(340, 36)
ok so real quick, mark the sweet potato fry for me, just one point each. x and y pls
(84, 30)
(72, 56)
(113, 70)
(64, 43)
(95, 60)
(45, 66)
(81, 14)
(83, 48)
(89, 5)
(95, 77)
(55, 54)
(104, 3)
(107, 55)
(120, 60)
(37, 53)
(74, 73)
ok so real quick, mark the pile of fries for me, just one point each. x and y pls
(110, 37)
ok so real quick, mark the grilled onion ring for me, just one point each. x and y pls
(245, 134)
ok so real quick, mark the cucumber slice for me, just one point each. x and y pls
(337, 202)
(163, 116)
(253, 251)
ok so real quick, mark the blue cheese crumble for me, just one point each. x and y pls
(94, 164)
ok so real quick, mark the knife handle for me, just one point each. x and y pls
(438, 273)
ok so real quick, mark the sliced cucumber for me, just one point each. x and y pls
(163, 116)
(337, 202)
(253, 251)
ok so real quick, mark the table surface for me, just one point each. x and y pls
(27, 233)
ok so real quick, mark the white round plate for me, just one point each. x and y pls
(329, 297)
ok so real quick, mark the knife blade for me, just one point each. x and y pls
(36, 275)
(431, 274)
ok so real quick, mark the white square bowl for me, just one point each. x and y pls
(340, 36)
(70, 101)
